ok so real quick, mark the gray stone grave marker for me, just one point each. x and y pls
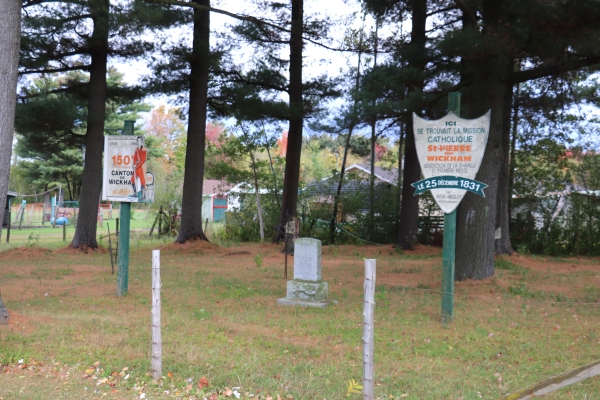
(307, 289)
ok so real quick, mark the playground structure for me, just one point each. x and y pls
(38, 215)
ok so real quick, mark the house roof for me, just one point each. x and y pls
(214, 187)
(324, 191)
(386, 175)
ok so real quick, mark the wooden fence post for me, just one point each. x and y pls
(156, 336)
(369, 331)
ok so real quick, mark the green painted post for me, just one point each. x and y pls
(128, 127)
(449, 249)
(8, 228)
(123, 277)
(125, 217)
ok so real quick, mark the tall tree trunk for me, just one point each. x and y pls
(372, 175)
(258, 206)
(373, 139)
(476, 216)
(276, 191)
(10, 35)
(68, 187)
(191, 207)
(513, 147)
(85, 231)
(503, 245)
(291, 180)
(409, 211)
(336, 199)
(399, 182)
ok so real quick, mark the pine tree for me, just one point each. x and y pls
(191, 214)
(51, 123)
(10, 26)
(555, 38)
(80, 36)
(477, 45)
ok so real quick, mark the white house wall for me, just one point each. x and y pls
(207, 209)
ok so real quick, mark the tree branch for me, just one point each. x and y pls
(441, 10)
(547, 70)
(49, 71)
(248, 18)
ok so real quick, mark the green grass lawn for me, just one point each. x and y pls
(52, 237)
(220, 321)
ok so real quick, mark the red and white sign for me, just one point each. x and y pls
(125, 176)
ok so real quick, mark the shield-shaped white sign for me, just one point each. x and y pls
(451, 147)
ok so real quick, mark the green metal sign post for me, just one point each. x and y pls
(125, 216)
(450, 150)
(123, 277)
(449, 249)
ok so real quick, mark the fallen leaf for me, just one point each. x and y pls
(203, 382)
(227, 392)
(170, 374)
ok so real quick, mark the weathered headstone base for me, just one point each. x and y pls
(285, 301)
(305, 294)
(309, 291)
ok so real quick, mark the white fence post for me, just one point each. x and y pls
(156, 336)
(369, 331)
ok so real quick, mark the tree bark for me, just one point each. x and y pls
(400, 148)
(191, 207)
(409, 211)
(291, 180)
(10, 35)
(513, 147)
(336, 199)
(476, 216)
(258, 206)
(503, 245)
(85, 231)
(373, 140)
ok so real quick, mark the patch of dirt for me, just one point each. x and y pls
(18, 323)
(82, 250)
(236, 253)
(20, 253)
(196, 246)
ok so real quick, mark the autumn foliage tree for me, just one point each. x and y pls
(167, 126)
(282, 143)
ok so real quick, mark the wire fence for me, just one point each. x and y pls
(58, 236)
